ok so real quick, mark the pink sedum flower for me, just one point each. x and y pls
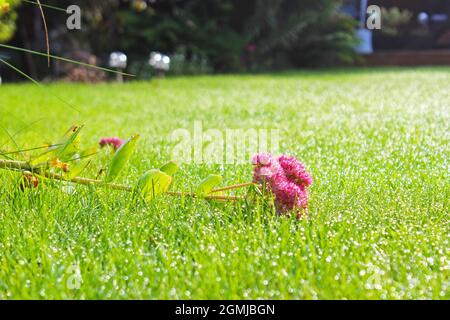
(286, 178)
(111, 141)
(295, 171)
(266, 167)
(289, 196)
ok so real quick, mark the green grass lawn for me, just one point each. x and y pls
(376, 143)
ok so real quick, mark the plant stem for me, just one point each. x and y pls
(235, 186)
(87, 181)
(47, 42)
(11, 164)
(24, 166)
(116, 186)
(190, 194)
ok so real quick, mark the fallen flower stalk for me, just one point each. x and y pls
(284, 177)
(235, 186)
(25, 167)
(12, 164)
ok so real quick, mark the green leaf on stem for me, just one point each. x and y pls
(170, 168)
(77, 168)
(208, 184)
(63, 150)
(71, 144)
(153, 183)
(79, 162)
(121, 158)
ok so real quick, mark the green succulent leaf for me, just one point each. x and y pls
(44, 158)
(77, 168)
(170, 168)
(80, 161)
(208, 184)
(63, 150)
(153, 183)
(70, 144)
(121, 158)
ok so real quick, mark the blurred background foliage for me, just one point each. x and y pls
(200, 36)
(8, 18)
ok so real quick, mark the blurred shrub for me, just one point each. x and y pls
(207, 36)
(197, 63)
(395, 21)
(195, 31)
(8, 18)
(288, 33)
(234, 35)
(77, 73)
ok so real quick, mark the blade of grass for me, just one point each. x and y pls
(25, 150)
(64, 59)
(14, 141)
(37, 83)
(45, 5)
(83, 157)
(23, 128)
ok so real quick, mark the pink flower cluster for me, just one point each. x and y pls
(286, 178)
(111, 141)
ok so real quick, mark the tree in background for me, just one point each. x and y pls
(291, 33)
(234, 35)
(200, 36)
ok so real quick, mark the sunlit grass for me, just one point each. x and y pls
(376, 143)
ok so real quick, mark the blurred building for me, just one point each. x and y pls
(413, 32)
